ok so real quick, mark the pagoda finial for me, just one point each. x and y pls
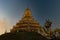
(27, 8)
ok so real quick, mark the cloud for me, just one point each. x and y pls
(3, 25)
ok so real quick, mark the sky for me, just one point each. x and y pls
(11, 12)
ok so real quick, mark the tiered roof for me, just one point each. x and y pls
(27, 22)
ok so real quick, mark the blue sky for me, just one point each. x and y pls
(12, 11)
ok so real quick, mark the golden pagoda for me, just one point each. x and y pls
(27, 23)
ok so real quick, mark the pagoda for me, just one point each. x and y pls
(27, 23)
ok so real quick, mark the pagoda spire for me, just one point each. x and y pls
(27, 13)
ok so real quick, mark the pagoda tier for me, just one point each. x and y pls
(27, 23)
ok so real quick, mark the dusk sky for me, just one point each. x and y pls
(11, 12)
